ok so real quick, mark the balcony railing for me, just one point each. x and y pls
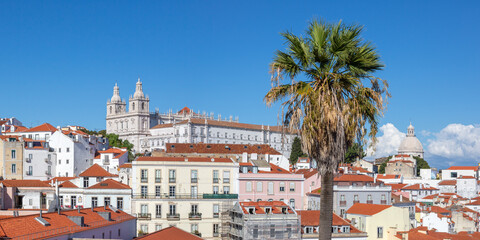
(194, 180)
(197, 233)
(216, 234)
(383, 201)
(47, 160)
(356, 201)
(144, 216)
(226, 180)
(158, 180)
(106, 162)
(144, 180)
(216, 180)
(343, 203)
(171, 180)
(195, 216)
(175, 216)
(48, 173)
(28, 160)
(369, 201)
(216, 215)
(185, 196)
(29, 173)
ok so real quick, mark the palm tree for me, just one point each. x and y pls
(330, 96)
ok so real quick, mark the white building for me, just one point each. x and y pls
(434, 220)
(75, 151)
(111, 159)
(149, 131)
(125, 173)
(419, 191)
(39, 160)
(454, 172)
(467, 186)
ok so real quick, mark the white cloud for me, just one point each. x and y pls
(456, 141)
(388, 143)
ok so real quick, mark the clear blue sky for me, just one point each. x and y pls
(59, 60)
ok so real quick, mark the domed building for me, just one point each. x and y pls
(410, 144)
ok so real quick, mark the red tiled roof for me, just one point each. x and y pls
(170, 233)
(184, 159)
(396, 186)
(475, 168)
(125, 165)
(359, 169)
(7, 137)
(60, 179)
(67, 184)
(353, 178)
(366, 209)
(117, 153)
(74, 132)
(467, 177)
(447, 182)
(110, 184)
(42, 128)
(275, 169)
(96, 171)
(276, 206)
(220, 148)
(312, 218)
(388, 176)
(60, 224)
(25, 183)
(437, 209)
(185, 110)
(307, 173)
(474, 203)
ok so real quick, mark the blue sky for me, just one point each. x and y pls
(59, 60)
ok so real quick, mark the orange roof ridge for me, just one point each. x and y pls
(367, 209)
(96, 171)
(45, 127)
(110, 184)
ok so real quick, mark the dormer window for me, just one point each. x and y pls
(255, 169)
(284, 210)
(251, 210)
(268, 210)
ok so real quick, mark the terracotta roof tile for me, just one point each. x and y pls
(183, 159)
(312, 218)
(366, 209)
(418, 187)
(275, 169)
(353, 178)
(396, 186)
(475, 168)
(388, 176)
(307, 173)
(227, 124)
(447, 182)
(25, 183)
(220, 148)
(110, 184)
(67, 184)
(96, 171)
(170, 233)
(125, 165)
(42, 128)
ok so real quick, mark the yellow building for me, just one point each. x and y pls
(11, 157)
(189, 193)
(379, 221)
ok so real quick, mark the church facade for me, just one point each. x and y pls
(149, 131)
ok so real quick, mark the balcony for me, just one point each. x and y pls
(197, 233)
(194, 180)
(216, 234)
(28, 160)
(185, 196)
(226, 180)
(144, 216)
(220, 196)
(171, 180)
(158, 180)
(106, 162)
(343, 203)
(383, 201)
(216, 180)
(369, 201)
(47, 161)
(356, 201)
(48, 173)
(144, 180)
(173, 217)
(195, 216)
(216, 215)
(28, 173)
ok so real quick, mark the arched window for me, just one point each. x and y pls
(110, 109)
(133, 106)
(143, 106)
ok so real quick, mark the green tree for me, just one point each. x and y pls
(325, 81)
(382, 168)
(421, 164)
(296, 151)
(353, 152)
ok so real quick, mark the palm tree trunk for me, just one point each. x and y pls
(326, 207)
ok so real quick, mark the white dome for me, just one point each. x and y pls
(138, 91)
(410, 144)
(116, 94)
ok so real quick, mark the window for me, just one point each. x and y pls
(215, 229)
(194, 208)
(383, 196)
(308, 230)
(453, 174)
(249, 186)
(172, 209)
(68, 149)
(94, 201)
(61, 200)
(68, 161)
(215, 176)
(292, 187)
(292, 203)
(379, 232)
(144, 191)
(215, 189)
(226, 176)
(255, 231)
(144, 175)
(259, 187)
(216, 210)
(171, 191)
(158, 211)
(158, 227)
(270, 188)
(106, 201)
(14, 168)
(226, 190)
(194, 176)
(272, 230)
(120, 203)
(85, 182)
(59, 150)
(144, 228)
(30, 170)
(171, 176)
(119, 232)
(355, 198)
(194, 191)
(158, 175)
(30, 156)
(282, 186)
(14, 154)
(59, 161)
(157, 191)
(194, 228)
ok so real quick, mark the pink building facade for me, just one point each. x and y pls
(271, 184)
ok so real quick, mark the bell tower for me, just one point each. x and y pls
(115, 105)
